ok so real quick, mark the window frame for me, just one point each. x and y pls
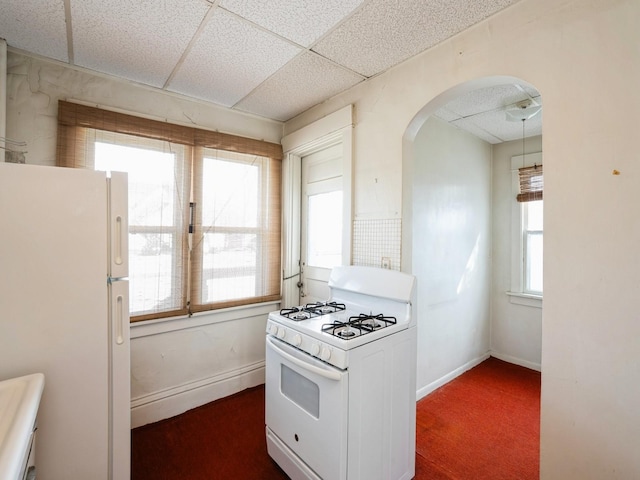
(75, 119)
(518, 293)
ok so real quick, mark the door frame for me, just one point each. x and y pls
(336, 128)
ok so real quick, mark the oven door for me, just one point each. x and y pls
(306, 408)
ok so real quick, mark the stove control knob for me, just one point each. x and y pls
(281, 333)
(315, 349)
(325, 354)
(273, 329)
(297, 340)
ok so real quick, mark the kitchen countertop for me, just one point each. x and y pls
(19, 401)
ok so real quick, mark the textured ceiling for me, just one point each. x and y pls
(486, 113)
(273, 58)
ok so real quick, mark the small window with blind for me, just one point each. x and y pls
(528, 231)
(204, 209)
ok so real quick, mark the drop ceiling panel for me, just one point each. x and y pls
(447, 115)
(306, 81)
(383, 33)
(229, 59)
(137, 40)
(300, 22)
(486, 99)
(482, 112)
(272, 58)
(493, 126)
(478, 130)
(37, 26)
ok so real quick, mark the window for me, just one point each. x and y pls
(527, 230)
(204, 209)
(157, 173)
(532, 247)
(235, 236)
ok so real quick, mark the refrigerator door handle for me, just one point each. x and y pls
(120, 317)
(119, 310)
(118, 240)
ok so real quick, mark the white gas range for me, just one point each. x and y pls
(340, 380)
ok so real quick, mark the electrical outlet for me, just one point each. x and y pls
(386, 263)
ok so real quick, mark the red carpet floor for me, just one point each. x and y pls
(485, 424)
(224, 439)
(482, 425)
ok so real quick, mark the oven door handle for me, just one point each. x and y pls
(330, 374)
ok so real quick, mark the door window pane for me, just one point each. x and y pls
(324, 244)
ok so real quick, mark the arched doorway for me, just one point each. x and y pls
(458, 229)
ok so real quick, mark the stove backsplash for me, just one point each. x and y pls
(377, 241)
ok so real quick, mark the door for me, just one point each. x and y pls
(306, 407)
(321, 222)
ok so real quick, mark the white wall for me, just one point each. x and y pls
(35, 85)
(451, 256)
(583, 57)
(516, 330)
(175, 364)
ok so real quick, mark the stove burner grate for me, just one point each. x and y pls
(358, 325)
(372, 322)
(310, 310)
(323, 308)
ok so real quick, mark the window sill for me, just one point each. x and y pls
(525, 299)
(170, 324)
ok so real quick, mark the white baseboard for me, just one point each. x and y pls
(517, 361)
(176, 400)
(427, 389)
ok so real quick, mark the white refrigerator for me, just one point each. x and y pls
(64, 311)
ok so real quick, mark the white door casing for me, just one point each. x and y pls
(334, 129)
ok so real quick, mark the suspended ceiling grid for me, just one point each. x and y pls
(273, 58)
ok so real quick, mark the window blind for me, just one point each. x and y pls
(531, 183)
(233, 184)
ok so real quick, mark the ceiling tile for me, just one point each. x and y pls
(139, 40)
(478, 130)
(493, 126)
(482, 112)
(513, 130)
(37, 26)
(447, 115)
(486, 99)
(300, 22)
(229, 59)
(370, 42)
(301, 84)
